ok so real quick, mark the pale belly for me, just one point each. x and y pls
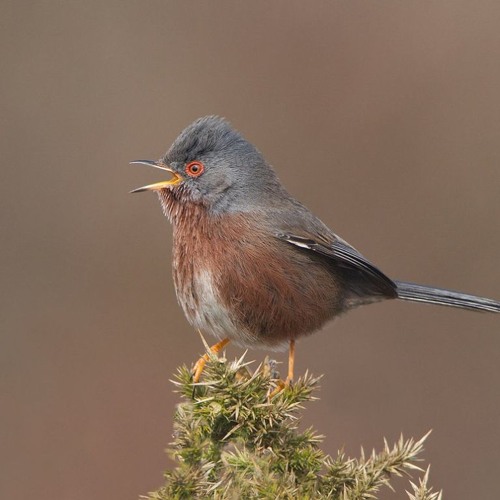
(205, 312)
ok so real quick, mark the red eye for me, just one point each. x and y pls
(194, 168)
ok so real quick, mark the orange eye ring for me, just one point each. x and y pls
(194, 168)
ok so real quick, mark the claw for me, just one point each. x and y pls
(200, 364)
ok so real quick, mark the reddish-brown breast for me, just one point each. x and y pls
(234, 280)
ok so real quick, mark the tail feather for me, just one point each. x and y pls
(440, 296)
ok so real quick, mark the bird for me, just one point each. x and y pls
(253, 265)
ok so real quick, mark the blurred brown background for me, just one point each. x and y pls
(383, 117)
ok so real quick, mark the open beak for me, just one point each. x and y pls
(176, 179)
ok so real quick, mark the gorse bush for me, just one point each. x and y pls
(236, 439)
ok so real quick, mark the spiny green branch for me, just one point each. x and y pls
(422, 491)
(232, 440)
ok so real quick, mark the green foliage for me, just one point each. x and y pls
(236, 439)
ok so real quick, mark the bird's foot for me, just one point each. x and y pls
(280, 386)
(200, 364)
(198, 368)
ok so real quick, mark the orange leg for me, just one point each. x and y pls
(289, 379)
(200, 364)
(291, 362)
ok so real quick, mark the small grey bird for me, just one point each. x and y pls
(252, 264)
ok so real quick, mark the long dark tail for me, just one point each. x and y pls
(440, 296)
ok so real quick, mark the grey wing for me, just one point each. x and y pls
(361, 279)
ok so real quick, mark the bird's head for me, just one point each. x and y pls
(212, 165)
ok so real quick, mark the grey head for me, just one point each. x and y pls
(215, 165)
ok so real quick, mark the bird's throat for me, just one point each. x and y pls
(179, 207)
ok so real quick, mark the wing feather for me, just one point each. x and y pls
(347, 257)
